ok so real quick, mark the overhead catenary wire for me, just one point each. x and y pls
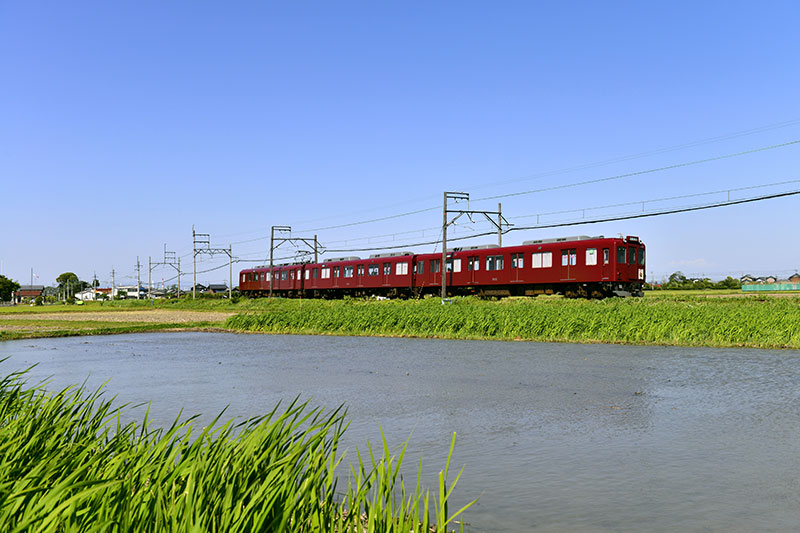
(637, 173)
(374, 239)
(621, 159)
(559, 187)
(662, 212)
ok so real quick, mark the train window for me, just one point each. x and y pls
(473, 263)
(308, 274)
(360, 270)
(605, 256)
(419, 267)
(517, 260)
(401, 269)
(632, 255)
(456, 265)
(314, 273)
(284, 274)
(387, 269)
(373, 270)
(494, 262)
(267, 275)
(591, 256)
(621, 255)
(336, 272)
(436, 265)
(325, 273)
(542, 260)
(291, 274)
(641, 256)
(569, 257)
(348, 272)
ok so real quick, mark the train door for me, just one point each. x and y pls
(517, 264)
(436, 271)
(569, 260)
(359, 275)
(387, 271)
(622, 259)
(473, 266)
(606, 268)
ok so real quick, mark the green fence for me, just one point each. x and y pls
(772, 287)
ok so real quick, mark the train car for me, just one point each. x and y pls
(381, 274)
(582, 266)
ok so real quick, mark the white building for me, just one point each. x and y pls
(130, 291)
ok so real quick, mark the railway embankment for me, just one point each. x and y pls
(692, 319)
(659, 320)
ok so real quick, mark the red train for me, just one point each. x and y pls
(588, 267)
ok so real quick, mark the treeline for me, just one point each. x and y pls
(677, 281)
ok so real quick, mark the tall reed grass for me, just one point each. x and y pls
(69, 463)
(685, 321)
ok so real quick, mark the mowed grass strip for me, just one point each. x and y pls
(681, 321)
(69, 463)
(95, 322)
(71, 328)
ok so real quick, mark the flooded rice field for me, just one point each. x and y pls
(552, 436)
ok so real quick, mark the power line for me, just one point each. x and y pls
(662, 212)
(621, 159)
(638, 173)
(640, 155)
(587, 221)
(565, 186)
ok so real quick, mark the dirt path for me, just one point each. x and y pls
(145, 316)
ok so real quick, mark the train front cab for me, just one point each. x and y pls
(629, 266)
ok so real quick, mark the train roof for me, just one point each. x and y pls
(563, 239)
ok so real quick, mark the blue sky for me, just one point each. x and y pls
(123, 124)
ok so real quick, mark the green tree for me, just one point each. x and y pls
(729, 283)
(7, 286)
(677, 278)
(70, 282)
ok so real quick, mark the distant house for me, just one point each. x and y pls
(770, 279)
(794, 278)
(86, 295)
(28, 292)
(747, 278)
(216, 288)
(131, 292)
(199, 288)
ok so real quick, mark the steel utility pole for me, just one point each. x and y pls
(499, 225)
(113, 284)
(272, 247)
(456, 196)
(313, 244)
(204, 240)
(138, 278)
(170, 259)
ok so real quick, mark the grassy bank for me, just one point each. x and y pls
(666, 320)
(67, 463)
(94, 321)
(686, 318)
